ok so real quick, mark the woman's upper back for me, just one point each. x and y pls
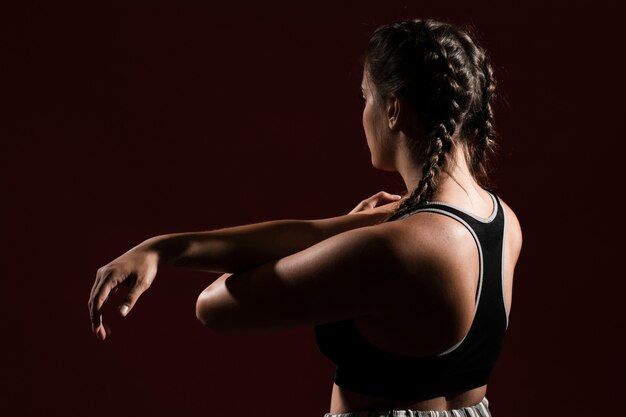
(441, 260)
(449, 257)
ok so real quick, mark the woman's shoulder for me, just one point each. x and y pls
(426, 228)
(429, 245)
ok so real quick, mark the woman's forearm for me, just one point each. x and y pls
(238, 248)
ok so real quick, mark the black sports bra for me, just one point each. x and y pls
(364, 368)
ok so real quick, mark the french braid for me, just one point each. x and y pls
(440, 142)
(447, 78)
(485, 143)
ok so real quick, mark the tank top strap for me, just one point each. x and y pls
(497, 208)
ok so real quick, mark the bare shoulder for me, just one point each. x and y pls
(431, 248)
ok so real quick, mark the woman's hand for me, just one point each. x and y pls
(380, 199)
(134, 270)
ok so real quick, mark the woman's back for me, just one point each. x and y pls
(435, 306)
(445, 314)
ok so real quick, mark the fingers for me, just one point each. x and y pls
(381, 196)
(131, 299)
(133, 272)
(95, 285)
(99, 296)
(93, 315)
(106, 283)
(388, 196)
(358, 208)
(375, 200)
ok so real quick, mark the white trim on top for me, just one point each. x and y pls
(506, 307)
(480, 219)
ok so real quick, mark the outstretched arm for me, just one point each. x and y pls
(238, 248)
(230, 250)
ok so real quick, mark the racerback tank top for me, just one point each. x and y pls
(364, 368)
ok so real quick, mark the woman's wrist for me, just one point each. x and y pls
(169, 248)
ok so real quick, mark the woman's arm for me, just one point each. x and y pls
(239, 248)
(230, 250)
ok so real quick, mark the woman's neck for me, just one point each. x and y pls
(456, 185)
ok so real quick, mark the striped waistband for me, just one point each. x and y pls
(478, 410)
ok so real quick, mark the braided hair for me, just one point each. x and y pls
(442, 73)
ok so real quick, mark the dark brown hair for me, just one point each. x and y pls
(446, 77)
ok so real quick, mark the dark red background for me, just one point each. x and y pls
(126, 121)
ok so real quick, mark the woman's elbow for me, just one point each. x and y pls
(211, 313)
(207, 305)
(204, 312)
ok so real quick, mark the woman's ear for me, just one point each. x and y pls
(393, 112)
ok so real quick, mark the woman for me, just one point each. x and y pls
(410, 298)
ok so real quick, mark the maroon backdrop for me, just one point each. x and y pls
(122, 122)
